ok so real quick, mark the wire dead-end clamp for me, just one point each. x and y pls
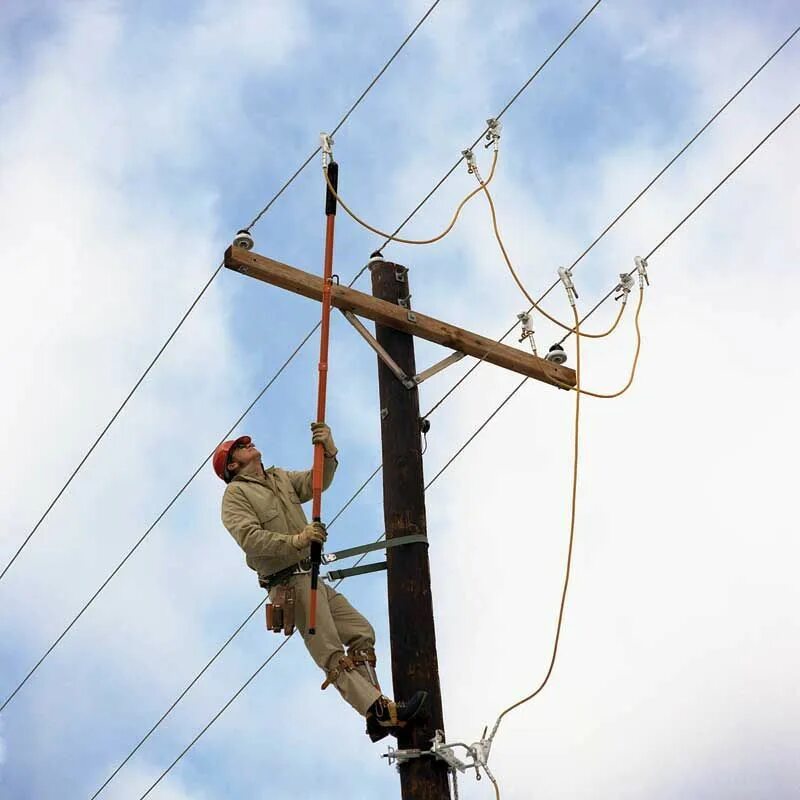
(624, 286)
(326, 145)
(641, 268)
(527, 329)
(565, 276)
(493, 134)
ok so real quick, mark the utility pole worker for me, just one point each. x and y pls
(262, 510)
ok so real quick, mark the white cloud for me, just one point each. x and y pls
(110, 224)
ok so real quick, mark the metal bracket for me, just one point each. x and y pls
(478, 753)
(382, 354)
(438, 367)
(409, 383)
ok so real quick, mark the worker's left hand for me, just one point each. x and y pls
(321, 434)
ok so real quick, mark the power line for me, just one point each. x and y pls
(625, 210)
(283, 366)
(205, 287)
(702, 202)
(677, 155)
(281, 645)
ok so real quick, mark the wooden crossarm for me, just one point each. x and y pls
(365, 305)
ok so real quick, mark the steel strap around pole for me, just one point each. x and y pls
(339, 574)
(384, 544)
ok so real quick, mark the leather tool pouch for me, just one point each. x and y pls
(280, 612)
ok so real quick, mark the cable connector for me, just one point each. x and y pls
(566, 278)
(472, 164)
(641, 268)
(527, 329)
(493, 134)
(326, 144)
(624, 286)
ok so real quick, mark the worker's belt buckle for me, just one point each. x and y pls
(283, 575)
(280, 612)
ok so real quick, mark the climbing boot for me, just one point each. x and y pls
(386, 716)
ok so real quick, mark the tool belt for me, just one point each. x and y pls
(281, 611)
(283, 575)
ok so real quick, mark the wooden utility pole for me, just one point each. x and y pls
(411, 627)
(412, 633)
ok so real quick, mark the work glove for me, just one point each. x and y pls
(321, 434)
(313, 532)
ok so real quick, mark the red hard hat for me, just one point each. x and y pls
(222, 455)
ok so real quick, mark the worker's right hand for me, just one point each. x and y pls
(313, 532)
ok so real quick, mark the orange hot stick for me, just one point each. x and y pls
(319, 450)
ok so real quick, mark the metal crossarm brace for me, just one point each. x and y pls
(409, 383)
(384, 544)
(438, 367)
(382, 354)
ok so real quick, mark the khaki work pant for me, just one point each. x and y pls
(339, 625)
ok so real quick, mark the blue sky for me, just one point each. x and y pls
(135, 140)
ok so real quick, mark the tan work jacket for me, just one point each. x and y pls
(263, 514)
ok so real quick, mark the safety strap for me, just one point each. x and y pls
(384, 544)
(339, 574)
(346, 664)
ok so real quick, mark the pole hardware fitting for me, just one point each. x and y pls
(556, 354)
(477, 753)
(469, 157)
(565, 275)
(411, 316)
(641, 268)
(624, 287)
(384, 413)
(243, 239)
(382, 353)
(493, 134)
(375, 258)
(405, 302)
(424, 424)
(326, 145)
(527, 329)
(400, 274)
